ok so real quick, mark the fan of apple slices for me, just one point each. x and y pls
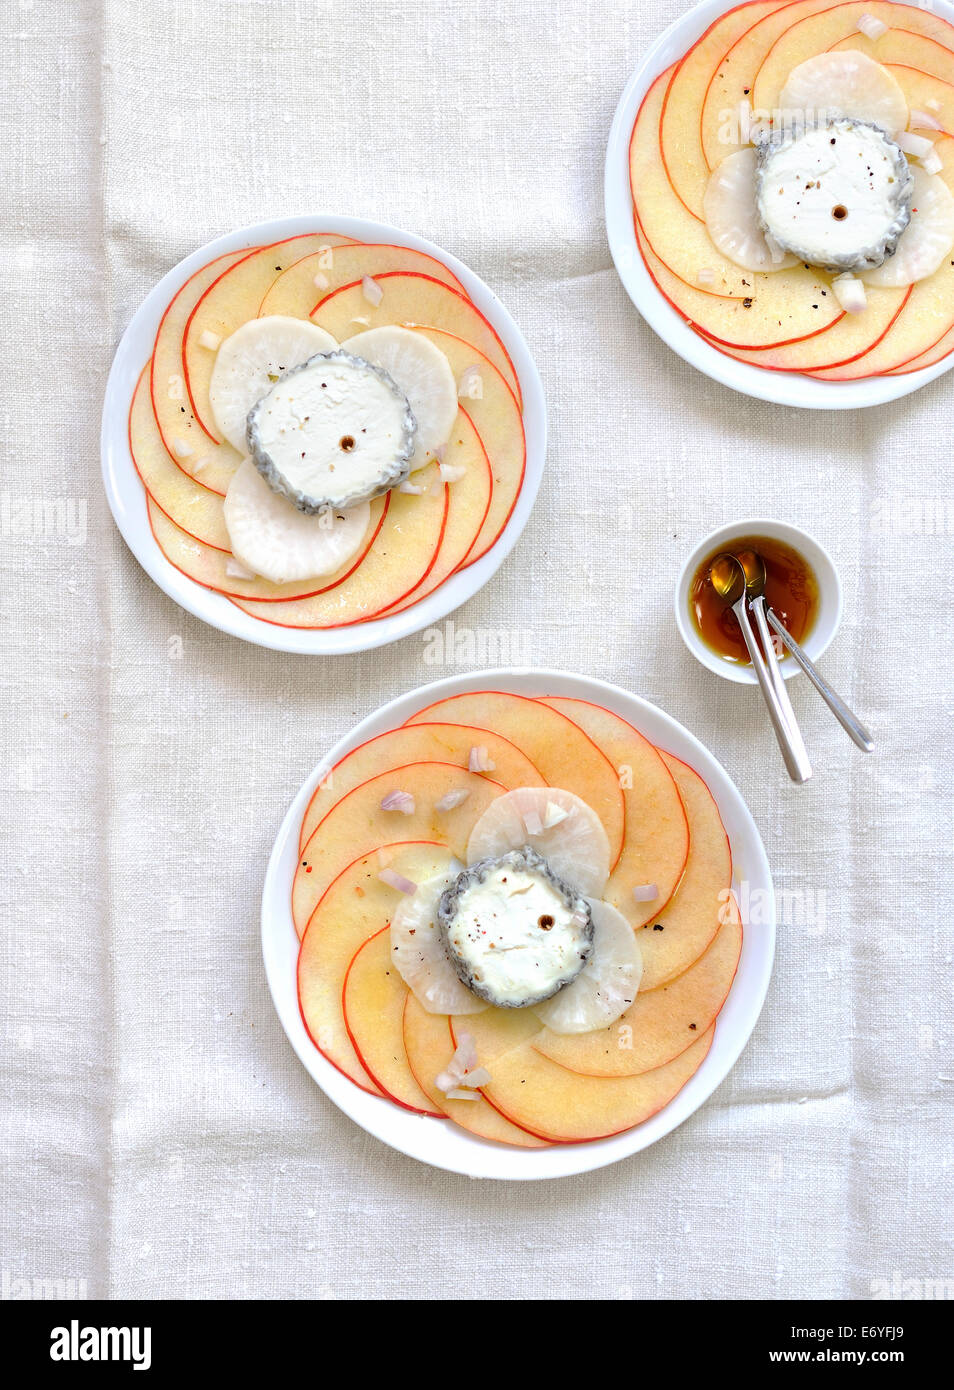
(801, 216)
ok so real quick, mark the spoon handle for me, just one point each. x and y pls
(796, 760)
(848, 721)
(757, 606)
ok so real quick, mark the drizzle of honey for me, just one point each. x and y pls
(791, 590)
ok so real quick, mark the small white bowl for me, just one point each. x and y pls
(827, 620)
(784, 388)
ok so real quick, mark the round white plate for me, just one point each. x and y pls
(785, 388)
(127, 497)
(440, 1142)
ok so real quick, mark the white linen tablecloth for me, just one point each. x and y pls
(159, 1138)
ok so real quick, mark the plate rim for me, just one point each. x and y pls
(780, 388)
(466, 1154)
(127, 496)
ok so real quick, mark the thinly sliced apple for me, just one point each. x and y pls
(677, 936)
(372, 1001)
(400, 557)
(416, 743)
(495, 413)
(353, 907)
(194, 452)
(680, 130)
(356, 824)
(563, 754)
(929, 94)
(817, 33)
(467, 507)
(911, 52)
(300, 285)
(662, 1023)
(752, 309)
(190, 505)
(209, 567)
(656, 844)
(560, 1105)
(413, 300)
(231, 300)
(429, 1047)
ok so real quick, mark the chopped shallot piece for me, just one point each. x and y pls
(871, 27)
(918, 145)
(532, 822)
(320, 281)
(399, 801)
(450, 800)
(209, 340)
(554, 815)
(398, 881)
(363, 319)
(480, 1076)
(458, 1093)
(471, 384)
(924, 120)
(236, 570)
(201, 463)
(645, 892)
(371, 290)
(933, 104)
(452, 472)
(479, 760)
(182, 448)
(850, 294)
(932, 163)
(413, 488)
(463, 1061)
(706, 276)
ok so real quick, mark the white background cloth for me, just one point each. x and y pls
(158, 1135)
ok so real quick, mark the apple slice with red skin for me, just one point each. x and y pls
(187, 503)
(758, 309)
(353, 907)
(677, 936)
(411, 299)
(560, 1105)
(680, 127)
(356, 824)
(401, 556)
(299, 285)
(211, 463)
(231, 300)
(445, 743)
(662, 1023)
(817, 33)
(656, 843)
(498, 419)
(207, 566)
(372, 1002)
(900, 48)
(564, 755)
(429, 1048)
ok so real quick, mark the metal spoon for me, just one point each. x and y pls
(753, 567)
(848, 721)
(728, 579)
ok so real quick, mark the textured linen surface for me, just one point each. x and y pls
(159, 1137)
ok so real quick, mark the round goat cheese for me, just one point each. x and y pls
(515, 933)
(837, 196)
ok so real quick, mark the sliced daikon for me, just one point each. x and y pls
(845, 82)
(927, 239)
(272, 538)
(606, 986)
(424, 375)
(420, 956)
(732, 217)
(576, 847)
(251, 360)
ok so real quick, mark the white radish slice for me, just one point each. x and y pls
(575, 846)
(272, 538)
(732, 215)
(423, 373)
(420, 957)
(844, 83)
(607, 984)
(926, 240)
(251, 360)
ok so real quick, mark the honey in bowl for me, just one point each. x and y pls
(791, 591)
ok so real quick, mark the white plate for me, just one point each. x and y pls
(785, 388)
(439, 1142)
(127, 497)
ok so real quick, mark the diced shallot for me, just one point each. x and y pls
(399, 801)
(850, 294)
(645, 892)
(413, 488)
(371, 290)
(182, 448)
(532, 822)
(553, 815)
(706, 276)
(871, 27)
(463, 1062)
(932, 163)
(395, 880)
(209, 340)
(480, 1076)
(916, 145)
(471, 384)
(460, 1093)
(924, 120)
(479, 760)
(450, 800)
(452, 472)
